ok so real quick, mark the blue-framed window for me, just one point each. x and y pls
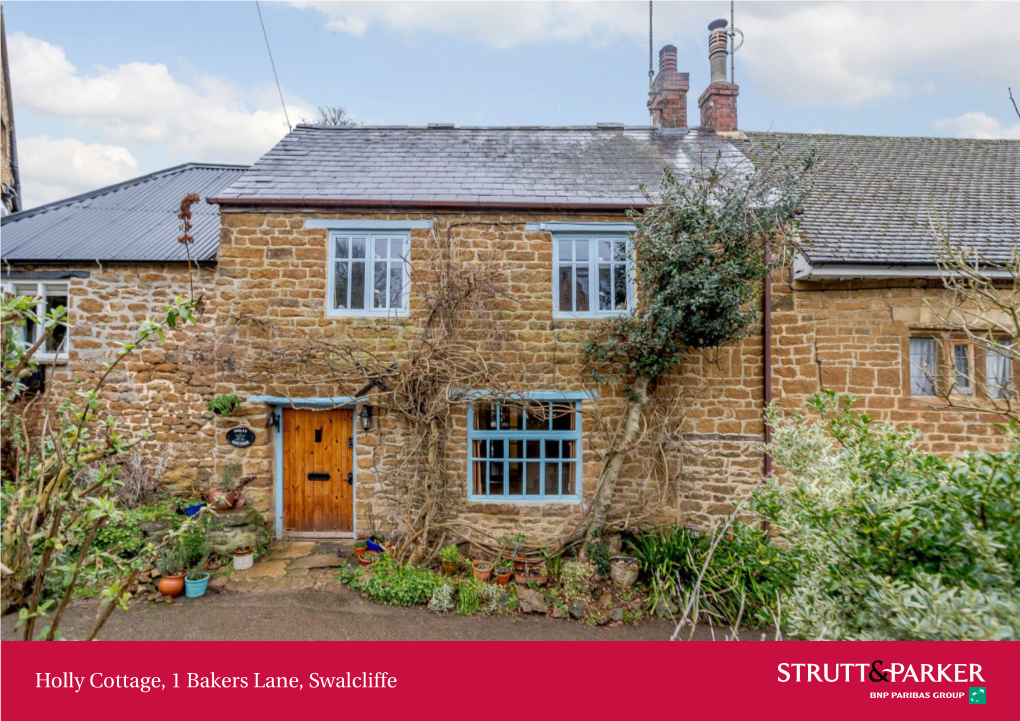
(592, 275)
(369, 273)
(524, 451)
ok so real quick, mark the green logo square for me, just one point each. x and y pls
(977, 694)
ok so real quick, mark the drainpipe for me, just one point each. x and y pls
(766, 340)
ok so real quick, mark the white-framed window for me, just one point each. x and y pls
(369, 273)
(50, 295)
(592, 275)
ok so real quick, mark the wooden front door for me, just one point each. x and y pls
(318, 465)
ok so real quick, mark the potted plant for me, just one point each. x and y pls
(360, 546)
(451, 560)
(367, 558)
(197, 581)
(623, 569)
(531, 573)
(481, 570)
(170, 565)
(375, 543)
(244, 558)
(223, 404)
(504, 569)
(228, 495)
(518, 540)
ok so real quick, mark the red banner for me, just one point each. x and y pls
(510, 680)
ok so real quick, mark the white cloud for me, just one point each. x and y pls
(979, 126)
(208, 120)
(55, 169)
(842, 53)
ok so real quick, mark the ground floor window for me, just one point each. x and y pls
(49, 297)
(943, 364)
(524, 451)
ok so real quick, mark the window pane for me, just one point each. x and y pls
(538, 417)
(379, 291)
(496, 449)
(605, 251)
(620, 287)
(566, 251)
(340, 286)
(516, 449)
(552, 479)
(515, 483)
(478, 478)
(582, 288)
(999, 373)
(605, 288)
(581, 251)
(358, 285)
(343, 247)
(563, 417)
(533, 450)
(922, 366)
(485, 417)
(396, 285)
(566, 298)
(55, 342)
(552, 449)
(534, 478)
(381, 244)
(496, 479)
(961, 367)
(569, 487)
(570, 449)
(511, 418)
(358, 247)
(397, 248)
(620, 250)
(480, 449)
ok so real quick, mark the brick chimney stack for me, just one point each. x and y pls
(667, 100)
(718, 103)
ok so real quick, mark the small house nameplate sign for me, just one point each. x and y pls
(240, 437)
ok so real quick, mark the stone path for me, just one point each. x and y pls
(290, 566)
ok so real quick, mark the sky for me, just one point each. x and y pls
(107, 91)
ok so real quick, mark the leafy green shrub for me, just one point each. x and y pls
(442, 599)
(576, 580)
(392, 584)
(469, 597)
(893, 543)
(746, 569)
(598, 554)
(450, 554)
(223, 405)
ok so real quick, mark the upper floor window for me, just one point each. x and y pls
(941, 365)
(369, 273)
(49, 296)
(592, 275)
(524, 451)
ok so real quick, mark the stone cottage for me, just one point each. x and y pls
(321, 292)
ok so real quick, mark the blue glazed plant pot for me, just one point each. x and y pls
(373, 544)
(196, 588)
(193, 510)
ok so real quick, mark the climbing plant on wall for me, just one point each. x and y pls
(701, 251)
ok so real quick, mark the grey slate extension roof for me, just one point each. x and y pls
(133, 221)
(875, 197)
(467, 167)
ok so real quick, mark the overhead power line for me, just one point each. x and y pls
(273, 64)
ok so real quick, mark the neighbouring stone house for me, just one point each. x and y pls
(327, 247)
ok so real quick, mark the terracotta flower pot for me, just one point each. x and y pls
(482, 570)
(221, 500)
(532, 575)
(367, 558)
(451, 568)
(171, 585)
(503, 578)
(358, 550)
(520, 562)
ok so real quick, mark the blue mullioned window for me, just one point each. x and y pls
(524, 451)
(592, 275)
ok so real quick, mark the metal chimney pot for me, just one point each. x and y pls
(718, 50)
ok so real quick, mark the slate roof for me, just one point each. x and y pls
(875, 197)
(470, 167)
(133, 221)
